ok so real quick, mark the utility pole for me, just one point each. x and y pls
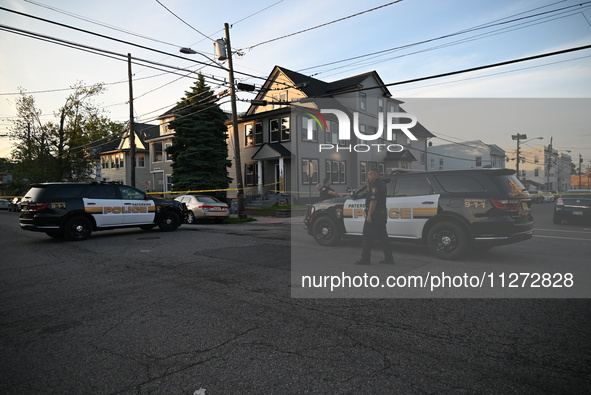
(131, 126)
(549, 165)
(518, 137)
(580, 165)
(237, 162)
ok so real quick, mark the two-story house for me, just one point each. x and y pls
(115, 158)
(287, 148)
(465, 155)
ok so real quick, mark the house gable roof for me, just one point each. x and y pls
(271, 151)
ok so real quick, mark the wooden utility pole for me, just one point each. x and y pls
(237, 162)
(131, 126)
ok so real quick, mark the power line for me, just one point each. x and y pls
(469, 30)
(71, 14)
(324, 24)
(213, 64)
(180, 19)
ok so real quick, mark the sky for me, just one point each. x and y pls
(327, 39)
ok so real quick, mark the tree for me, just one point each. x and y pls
(199, 150)
(59, 151)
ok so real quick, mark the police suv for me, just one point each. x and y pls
(75, 210)
(451, 211)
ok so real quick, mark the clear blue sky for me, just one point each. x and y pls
(387, 32)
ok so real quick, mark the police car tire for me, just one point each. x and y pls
(168, 221)
(77, 228)
(326, 231)
(447, 240)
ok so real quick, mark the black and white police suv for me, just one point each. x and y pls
(75, 210)
(451, 211)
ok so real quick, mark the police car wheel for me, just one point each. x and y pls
(77, 228)
(190, 217)
(168, 221)
(447, 240)
(325, 231)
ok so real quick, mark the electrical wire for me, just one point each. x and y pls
(180, 19)
(324, 24)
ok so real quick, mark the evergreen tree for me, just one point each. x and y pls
(199, 150)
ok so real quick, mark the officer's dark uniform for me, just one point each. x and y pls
(324, 192)
(376, 229)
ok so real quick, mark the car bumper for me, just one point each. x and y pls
(572, 213)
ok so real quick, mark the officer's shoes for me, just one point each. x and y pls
(387, 261)
(363, 262)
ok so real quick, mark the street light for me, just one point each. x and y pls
(520, 137)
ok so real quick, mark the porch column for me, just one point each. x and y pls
(260, 177)
(281, 175)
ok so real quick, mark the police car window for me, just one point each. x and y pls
(130, 193)
(101, 192)
(67, 191)
(456, 183)
(412, 186)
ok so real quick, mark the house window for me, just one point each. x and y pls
(157, 152)
(306, 124)
(422, 158)
(441, 163)
(362, 172)
(169, 183)
(121, 160)
(249, 135)
(362, 100)
(536, 172)
(380, 105)
(274, 131)
(140, 160)
(258, 133)
(479, 161)
(334, 170)
(167, 157)
(249, 173)
(309, 171)
(432, 163)
(285, 134)
(536, 159)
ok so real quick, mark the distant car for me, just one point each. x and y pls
(572, 205)
(204, 207)
(537, 196)
(4, 204)
(549, 196)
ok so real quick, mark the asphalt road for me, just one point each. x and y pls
(209, 308)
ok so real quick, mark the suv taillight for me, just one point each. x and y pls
(37, 206)
(506, 204)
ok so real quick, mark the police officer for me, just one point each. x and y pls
(326, 192)
(376, 216)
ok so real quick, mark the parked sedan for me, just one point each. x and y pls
(572, 205)
(4, 204)
(204, 207)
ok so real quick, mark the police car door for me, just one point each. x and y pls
(354, 212)
(137, 207)
(411, 202)
(103, 203)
